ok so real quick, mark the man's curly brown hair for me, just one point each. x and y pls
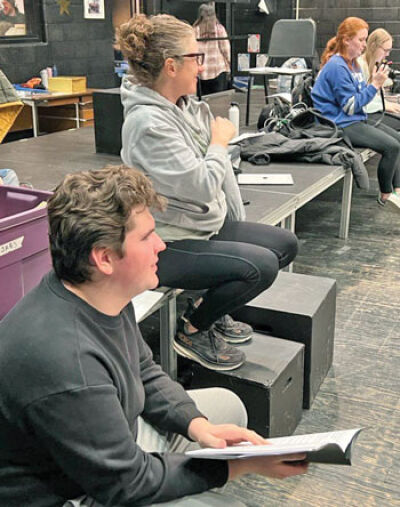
(93, 209)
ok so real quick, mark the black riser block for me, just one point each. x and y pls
(301, 308)
(270, 383)
(108, 119)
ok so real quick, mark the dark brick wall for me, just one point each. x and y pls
(76, 45)
(246, 19)
(378, 13)
(84, 47)
(327, 14)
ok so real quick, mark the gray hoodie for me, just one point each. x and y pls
(171, 144)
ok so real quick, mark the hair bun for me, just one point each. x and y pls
(133, 37)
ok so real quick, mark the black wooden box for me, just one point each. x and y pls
(270, 383)
(300, 308)
(108, 119)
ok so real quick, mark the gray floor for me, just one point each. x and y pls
(363, 386)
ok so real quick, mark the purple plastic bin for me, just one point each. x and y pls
(24, 243)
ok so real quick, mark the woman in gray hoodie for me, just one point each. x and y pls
(176, 141)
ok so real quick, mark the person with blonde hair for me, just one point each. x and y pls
(214, 43)
(174, 139)
(379, 46)
(340, 93)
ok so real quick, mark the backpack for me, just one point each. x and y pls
(284, 83)
(301, 93)
(298, 121)
(308, 122)
(272, 114)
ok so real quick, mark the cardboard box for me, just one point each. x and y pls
(67, 84)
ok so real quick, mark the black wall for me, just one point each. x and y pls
(248, 19)
(76, 45)
(245, 19)
(378, 13)
(327, 13)
(84, 47)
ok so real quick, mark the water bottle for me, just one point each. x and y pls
(55, 71)
(234, 114)
(45, 78)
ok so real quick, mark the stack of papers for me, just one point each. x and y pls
(332, 447)
(287, 71)
(265, 179)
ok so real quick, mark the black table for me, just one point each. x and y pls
(277, 204)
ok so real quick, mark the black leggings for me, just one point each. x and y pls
(389, 119)
(383, 140)
(235, 266)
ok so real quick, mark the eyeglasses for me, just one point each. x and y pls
(199, 57)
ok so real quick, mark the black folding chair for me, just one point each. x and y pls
(289, 38)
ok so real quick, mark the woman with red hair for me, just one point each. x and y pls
(341, 94)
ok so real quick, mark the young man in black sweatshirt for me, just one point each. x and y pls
(85, 413)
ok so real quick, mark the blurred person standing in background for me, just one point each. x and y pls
(217, 63)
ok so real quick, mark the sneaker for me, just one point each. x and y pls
(228, 329)
(393, 201)
(233, 331)
(207, 349)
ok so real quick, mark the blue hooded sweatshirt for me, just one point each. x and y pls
(340, 94)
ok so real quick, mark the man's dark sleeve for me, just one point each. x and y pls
(167, 405)
(86, 432)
